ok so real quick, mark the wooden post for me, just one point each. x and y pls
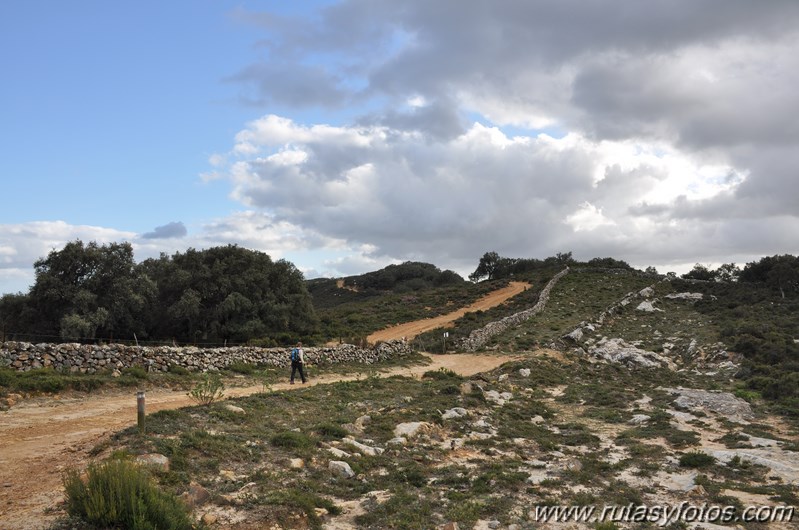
(140, 410)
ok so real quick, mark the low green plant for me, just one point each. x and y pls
(137, 372)
(209, 389)
(120, 494)
(696, 459)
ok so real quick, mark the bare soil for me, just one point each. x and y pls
(40, 438)
(417, 327)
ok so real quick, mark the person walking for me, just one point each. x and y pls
(297, 362)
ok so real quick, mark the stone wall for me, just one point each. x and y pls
(479, 337)
(90, 358)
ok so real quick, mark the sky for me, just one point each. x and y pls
(344, 136)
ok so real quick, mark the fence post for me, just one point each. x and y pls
(140, 410)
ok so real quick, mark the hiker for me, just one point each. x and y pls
(297, 360)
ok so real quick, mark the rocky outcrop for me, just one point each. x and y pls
(91, 358)
(724, 403)
(479, 337)
(618, 351)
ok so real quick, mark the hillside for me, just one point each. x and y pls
(626, 389)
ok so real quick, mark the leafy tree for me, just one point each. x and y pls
(487, 267)
(729, 272)
(84, 290)
(700, 272)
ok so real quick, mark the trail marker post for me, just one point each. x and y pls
(140, 410)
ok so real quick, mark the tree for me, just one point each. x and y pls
(84, 290)
(729, 272)
(783, 276)
(487, 267)
(700, 272)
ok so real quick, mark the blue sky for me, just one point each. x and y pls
(348, 135)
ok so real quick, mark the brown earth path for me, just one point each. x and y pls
(42, 437)
(417, 327)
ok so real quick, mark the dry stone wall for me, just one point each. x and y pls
(478, 338)
(91, 358)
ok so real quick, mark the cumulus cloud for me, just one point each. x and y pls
(167, 231)
(675, 133)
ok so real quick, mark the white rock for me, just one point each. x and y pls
(646, 292)
(502, 378)
(647, 307)
(457, 412)
(691, 297)
(639, 419)
(524, 372)
(411, 429)
(297, 463)
(235, 409)
(340, 468)
(399, 440)
(338, 453)
(363, 448)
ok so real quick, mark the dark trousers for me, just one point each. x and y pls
(297, 365)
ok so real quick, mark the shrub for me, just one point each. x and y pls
(137, 372)
(178, 370)
(696, 459)
(208, 390)
(120, 494)
(291, 439)
(331, 431)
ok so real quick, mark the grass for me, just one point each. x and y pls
(432, 480)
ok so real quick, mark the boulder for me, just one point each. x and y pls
(341, 469)
(457, 412)
(411, 429)
(155, 460)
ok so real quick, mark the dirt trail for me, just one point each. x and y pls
(412, 329)
(42, 437)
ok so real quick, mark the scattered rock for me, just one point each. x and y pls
(724, 403)
(340, 468)
(524, 372)
(457, 412)
(647, 307)
(209, 519)
(466, 388)
(399, 440)
(497, 397)
(297, 463)
(363, 448)
(646, 292)
(154, 459)
(234, 409)
(639, 419)
(618, 351)
(197, 495)
(691, 297)
(338, 453)
(411, 429)
(502, 378)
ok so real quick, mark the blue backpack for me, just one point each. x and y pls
(295, 354)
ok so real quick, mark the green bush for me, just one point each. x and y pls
(291, 439)
(120, 494)
(208, 390)
(178, 370)
(331, 431)
(696, 459)
(137, 372)
(240, 367)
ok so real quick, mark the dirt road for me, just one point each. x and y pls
(41, 438)
(412, 329)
